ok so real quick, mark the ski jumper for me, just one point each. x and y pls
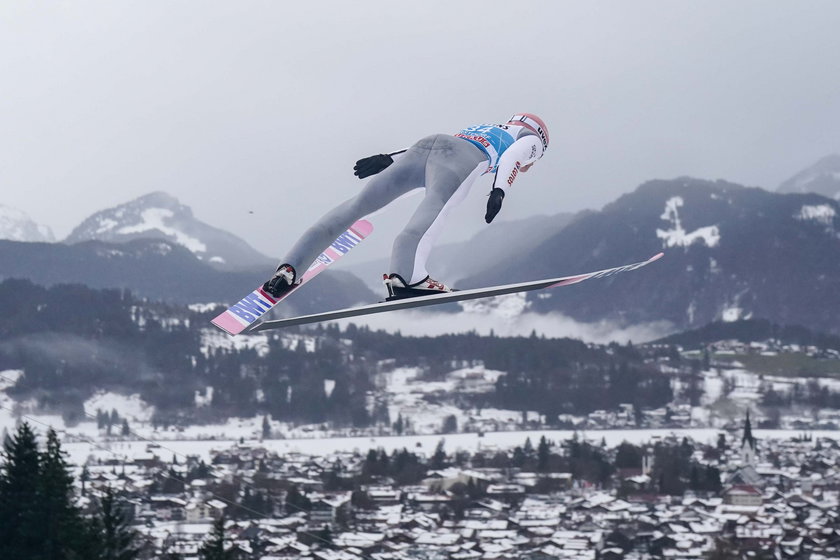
(446, 166)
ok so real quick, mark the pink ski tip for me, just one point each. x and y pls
(228, 323)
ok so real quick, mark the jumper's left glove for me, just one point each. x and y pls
(494, 204)
(372, 165)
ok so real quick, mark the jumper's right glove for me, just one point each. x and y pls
(372, 165)
(494, 204)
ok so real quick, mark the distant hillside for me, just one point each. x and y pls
(752, 330)
(731, 253)
(72, 341)
(822, 178)
(164, 271)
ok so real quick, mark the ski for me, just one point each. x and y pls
(448, 297)
(252, 307)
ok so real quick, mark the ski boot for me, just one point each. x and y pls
(398, 288)
(283, 281)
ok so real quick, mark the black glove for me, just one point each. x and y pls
(372, 165)
(494, 204)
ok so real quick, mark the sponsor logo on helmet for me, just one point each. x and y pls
(542, 137)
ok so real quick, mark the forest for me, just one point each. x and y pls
(71, 341)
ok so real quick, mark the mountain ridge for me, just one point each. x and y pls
(158, 215)
(731, 252)
(823, 177)
(163, 271)
(16, 225)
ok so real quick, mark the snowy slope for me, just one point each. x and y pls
(161, 216)
(16, 225)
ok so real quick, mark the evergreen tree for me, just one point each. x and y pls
(472, 490)
(117, 539)
(370, 467)
(64, 532)
(38, 517)
(84, 478)
(528, 447)
(324, 536)
(360, 499)
(439, 458)
(199, 471)
(266, 428)
(450, 424)
(628, 456)
(256, 505)
(543, 454)
(295, 501)
(519, 457)
(214, 547)
(20, 527)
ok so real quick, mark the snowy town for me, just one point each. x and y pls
(773, 498)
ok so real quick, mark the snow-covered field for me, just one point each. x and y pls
(131, 407)
(213, 339)
(748, 386)
(79, 452)
(406, 393)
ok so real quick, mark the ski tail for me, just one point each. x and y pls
(255, 305)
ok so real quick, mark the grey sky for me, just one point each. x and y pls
(263, 107)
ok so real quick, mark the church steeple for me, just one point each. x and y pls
(748, 443)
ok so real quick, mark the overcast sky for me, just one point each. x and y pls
(253, 113)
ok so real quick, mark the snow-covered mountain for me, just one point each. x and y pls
(822, 178)
(731, 252)
(161, 216)
(16, 225)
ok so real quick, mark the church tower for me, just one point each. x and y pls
(748, 444)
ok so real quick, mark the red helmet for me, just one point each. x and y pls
(534, 124)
